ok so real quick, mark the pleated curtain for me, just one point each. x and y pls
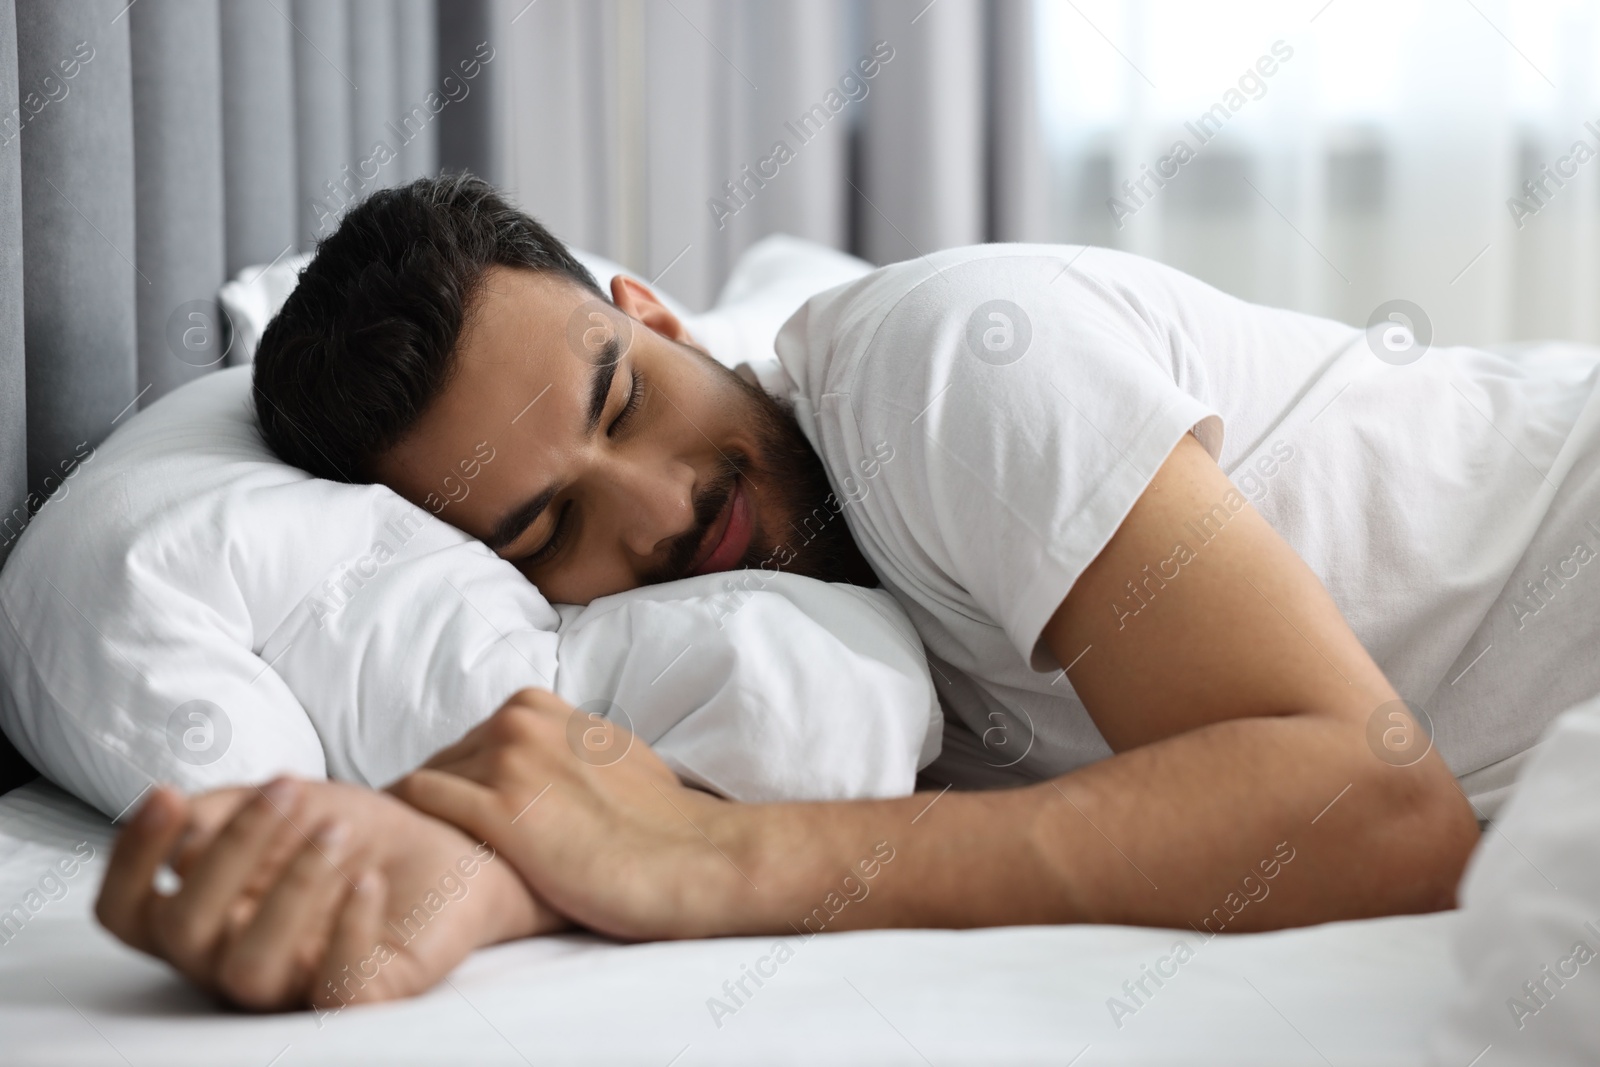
(152, 150)
(632, 116)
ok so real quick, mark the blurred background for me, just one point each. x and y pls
(1384, 158)
(1327, 155)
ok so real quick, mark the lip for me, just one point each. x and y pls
(729, 537)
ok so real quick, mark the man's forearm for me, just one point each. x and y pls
(1244, 824)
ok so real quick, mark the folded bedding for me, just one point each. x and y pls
(189, 609)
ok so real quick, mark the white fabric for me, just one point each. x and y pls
(1422, 495)
(769, 283)
(252, 297)
(1528, 945)
(1344, 993)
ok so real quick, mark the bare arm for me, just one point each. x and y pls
(1237, 701)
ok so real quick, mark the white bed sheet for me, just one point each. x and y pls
(1344, 993)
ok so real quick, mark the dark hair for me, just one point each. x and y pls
(366, 341)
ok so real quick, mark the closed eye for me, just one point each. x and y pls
(631, 408)
(558, 536)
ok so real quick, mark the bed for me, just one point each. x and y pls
(1343, 993)
(1510, 977)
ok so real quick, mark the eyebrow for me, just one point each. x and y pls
(517, 522)
(600, 385)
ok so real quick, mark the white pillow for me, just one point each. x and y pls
(768, 284)
(171, 614)
(1528, 944)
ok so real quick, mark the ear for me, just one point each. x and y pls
(636, 300)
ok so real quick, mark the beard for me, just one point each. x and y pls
(813, 539)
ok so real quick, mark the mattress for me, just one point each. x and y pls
(1354, 992)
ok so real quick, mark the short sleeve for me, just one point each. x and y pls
(1026, 406)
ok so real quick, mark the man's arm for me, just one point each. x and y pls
(1238, 702)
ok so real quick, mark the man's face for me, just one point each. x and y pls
(599, 451)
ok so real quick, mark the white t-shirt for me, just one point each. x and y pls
(990, 414)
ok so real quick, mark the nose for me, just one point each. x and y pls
(655, 503)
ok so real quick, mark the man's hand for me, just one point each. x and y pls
(309, 893)
(599, 827)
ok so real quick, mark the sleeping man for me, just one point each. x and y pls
(1176, 675)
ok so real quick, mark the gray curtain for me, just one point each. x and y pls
(79, 277)
(13, 371)
(149, 151)
(152, 150)
(578, 60)
(258, 132)
(180, 234)
(1017, 169)
(473, 138)
(634, 119)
